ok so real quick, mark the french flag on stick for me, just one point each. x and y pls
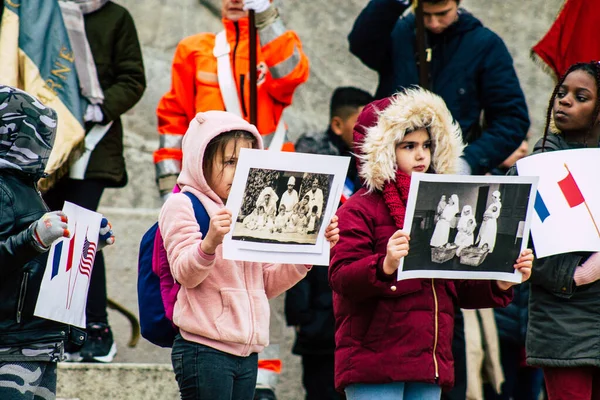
(573, 195)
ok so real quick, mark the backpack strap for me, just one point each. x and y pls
(200, 213)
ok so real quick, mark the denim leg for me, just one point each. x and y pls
(367, 391)
(394, 391)
(422, 391)
(245, 380)
(204, 373)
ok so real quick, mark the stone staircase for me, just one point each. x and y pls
(144, 372)
(122, 381)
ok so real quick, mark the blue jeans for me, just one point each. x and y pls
(394, 391)
(206, 373)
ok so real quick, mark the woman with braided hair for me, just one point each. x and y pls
(564, 306)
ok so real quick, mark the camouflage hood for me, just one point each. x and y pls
(27, 131)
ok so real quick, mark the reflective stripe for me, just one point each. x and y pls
(266, 378)
(286, 67)
(170, 141)
(226, 80)
(279, 137)
(168, 167)
(271, 32)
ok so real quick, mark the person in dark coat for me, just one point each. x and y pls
(112, 37)
(309, 308)
(563, 336)
(394, 338)
(309, 304)
(30, 346)
(344, 108)
(521, 382)
(470, 68)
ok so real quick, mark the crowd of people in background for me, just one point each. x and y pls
(360, 333)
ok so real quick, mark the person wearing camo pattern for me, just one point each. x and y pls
(30, 347)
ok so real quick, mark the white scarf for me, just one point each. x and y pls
(89, 6)
(73, 12)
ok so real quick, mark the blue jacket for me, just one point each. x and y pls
(471, 69)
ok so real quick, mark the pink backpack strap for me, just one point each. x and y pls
(160, 266)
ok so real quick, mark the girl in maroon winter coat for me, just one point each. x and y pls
(394, 338)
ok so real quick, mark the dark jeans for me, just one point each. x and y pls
(87, 194)
(204, 373)
(520, 382)
(318, 377)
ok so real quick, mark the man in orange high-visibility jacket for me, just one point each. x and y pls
(282, 66)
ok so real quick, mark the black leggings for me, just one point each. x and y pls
(87, 194)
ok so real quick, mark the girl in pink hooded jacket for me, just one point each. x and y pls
(222, 308)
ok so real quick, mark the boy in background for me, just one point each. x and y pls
(308, 305)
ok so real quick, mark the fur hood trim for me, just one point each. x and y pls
(409, 110)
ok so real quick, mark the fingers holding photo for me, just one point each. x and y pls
(524, 264)
(332, 233)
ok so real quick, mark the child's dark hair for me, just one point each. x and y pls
(314, 209)
(346, 100)
(593, 69)
(217, 146)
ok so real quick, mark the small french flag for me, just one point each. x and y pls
(347, 191)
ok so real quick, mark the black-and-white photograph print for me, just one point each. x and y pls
(282, 207)
(470, 229)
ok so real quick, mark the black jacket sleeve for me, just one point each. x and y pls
(129, 79)
(16, 249)
(370, 39)
(505, 110)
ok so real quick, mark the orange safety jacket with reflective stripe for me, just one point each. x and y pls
(282, 67)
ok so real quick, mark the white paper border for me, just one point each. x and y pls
(418, 177)
(317, 254)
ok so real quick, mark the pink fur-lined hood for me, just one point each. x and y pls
(407, 111)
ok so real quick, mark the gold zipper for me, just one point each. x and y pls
(435, 338)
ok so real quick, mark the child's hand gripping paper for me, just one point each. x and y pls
(397, 248)
(332, 233)
(220, 224)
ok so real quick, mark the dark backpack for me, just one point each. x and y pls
(157, 289)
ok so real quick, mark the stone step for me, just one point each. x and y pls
(118, 381)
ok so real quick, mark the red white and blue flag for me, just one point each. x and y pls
(567, 204)
(87, 257)
(63, 293)
(348, 190)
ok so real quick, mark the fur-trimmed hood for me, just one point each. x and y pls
(407, 111)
